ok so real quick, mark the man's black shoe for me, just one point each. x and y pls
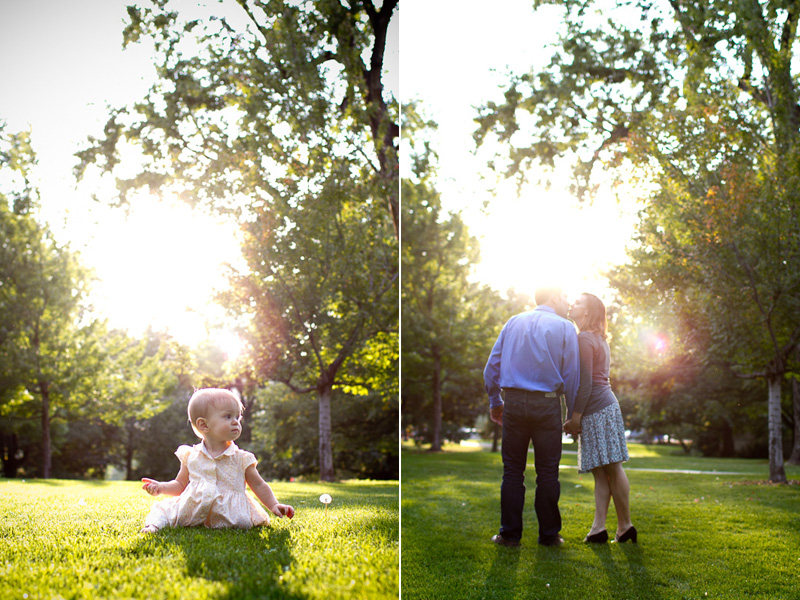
(553, 540)
(501, 541)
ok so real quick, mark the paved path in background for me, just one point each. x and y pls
(681, 471)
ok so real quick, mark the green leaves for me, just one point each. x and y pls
(322, 283)
(249, 93)
(449, 322)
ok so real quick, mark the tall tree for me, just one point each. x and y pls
(45, 349)
(319, 293)
(702, 97)
(134, 385)
(277, 112)
(438, 255)
(670, 382)
(449, 321)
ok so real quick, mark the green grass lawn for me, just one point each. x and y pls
(69, 539)
(700, 536)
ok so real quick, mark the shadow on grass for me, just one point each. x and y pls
(248, 563)
(625, 569)
(501, 580)
(625, 574)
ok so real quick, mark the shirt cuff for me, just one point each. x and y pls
(495, 401)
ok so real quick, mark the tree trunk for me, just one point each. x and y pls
(795, 457)
(46, 455)
(10, 460)
(495, 436)
(726, 447)
(129, 453)
(325, 437)
(436, 429)
(384, 131)
(776, 471)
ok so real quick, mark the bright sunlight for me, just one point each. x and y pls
(161, 265)
(547, 237)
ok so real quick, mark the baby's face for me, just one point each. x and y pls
(224, 423)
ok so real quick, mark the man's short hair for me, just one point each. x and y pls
(543, 295)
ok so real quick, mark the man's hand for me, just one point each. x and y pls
(496, 414)
(573, 426)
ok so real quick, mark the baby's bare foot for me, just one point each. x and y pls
(149, 529)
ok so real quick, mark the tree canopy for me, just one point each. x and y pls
(254, 98)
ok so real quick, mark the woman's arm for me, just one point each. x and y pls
(586, 349)
(264, 493)
(168, 488)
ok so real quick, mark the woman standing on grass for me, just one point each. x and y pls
(598, 420)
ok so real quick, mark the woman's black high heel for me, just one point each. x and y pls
(628, 535)
(601, 537)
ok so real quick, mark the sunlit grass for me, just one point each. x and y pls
(67, 539)
(651, 450)
(701, 536)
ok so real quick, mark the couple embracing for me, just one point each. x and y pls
(537, 358)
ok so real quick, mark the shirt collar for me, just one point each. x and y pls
(546, 308)
(228, 451)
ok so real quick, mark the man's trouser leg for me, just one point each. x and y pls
(546, 436)
(516, 440)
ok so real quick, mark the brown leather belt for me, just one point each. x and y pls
(545, 394)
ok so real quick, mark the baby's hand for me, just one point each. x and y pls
(151, 486)
(283, 510)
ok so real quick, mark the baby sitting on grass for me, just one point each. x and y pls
(210, 486)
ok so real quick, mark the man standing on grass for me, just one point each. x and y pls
(533, 362)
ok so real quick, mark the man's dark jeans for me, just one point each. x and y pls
(530, 416)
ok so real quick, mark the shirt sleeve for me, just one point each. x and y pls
(571, 367)
(182, 453)
(247, 459)
(586, 349)
(491, 373)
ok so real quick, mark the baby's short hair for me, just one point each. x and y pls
(202, 399)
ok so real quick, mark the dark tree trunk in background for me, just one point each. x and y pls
(129, 451)
(495, 437)
(10, 460)
(727, 447)
(46, 454)
(325, 437)
(436, 429)
(777, 474)
(795, 457)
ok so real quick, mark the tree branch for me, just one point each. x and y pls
(261, 29)
(298, 390)
(789, 31)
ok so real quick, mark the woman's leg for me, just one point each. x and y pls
(620, 491)
(602, 497)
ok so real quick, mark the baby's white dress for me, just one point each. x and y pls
(216, 495)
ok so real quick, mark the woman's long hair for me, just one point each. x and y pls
(596, 319)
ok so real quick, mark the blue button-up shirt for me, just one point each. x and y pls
(536, 351)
